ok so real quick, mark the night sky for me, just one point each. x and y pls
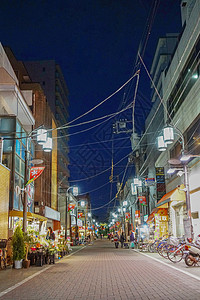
(95, 42)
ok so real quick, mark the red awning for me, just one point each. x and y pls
(151, 216)
(166, 198)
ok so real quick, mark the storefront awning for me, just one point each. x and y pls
(175, 195)
(151, 216)
(30, 216)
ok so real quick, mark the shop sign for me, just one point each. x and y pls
(35, 172)
(149, 181)
(145, 218)
(133, 189)
(127, 215)
(29, 190)
(142, 200)
(73, 220)
(117, 223)
(160, 182)
(137, 214)
(80, 215)
(79, 223)
(71, 206)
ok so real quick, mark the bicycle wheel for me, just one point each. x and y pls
(165, 250)
(175, 255)
(189, 262)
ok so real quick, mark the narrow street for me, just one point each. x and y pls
(102, 272)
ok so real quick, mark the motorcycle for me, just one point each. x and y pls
(193, 256)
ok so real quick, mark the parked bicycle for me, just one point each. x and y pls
(3, 253)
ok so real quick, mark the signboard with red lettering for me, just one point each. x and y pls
(127, 215)
(137, 214)
(142, 200)
(80, 215)
(71, 206)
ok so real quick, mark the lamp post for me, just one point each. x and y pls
(75, 193)
(163, 140)
(46, 143)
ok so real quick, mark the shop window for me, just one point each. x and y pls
(7, 125)
(7, 144)
(7, 160)
(193, 138)
(195, 215)
(18, 129)
(23, 137)
(18, 147)
(17, 163)
(23, 152)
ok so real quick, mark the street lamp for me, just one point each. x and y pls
(168, 138)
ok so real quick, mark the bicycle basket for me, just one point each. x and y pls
(2, 244)
(173, 241)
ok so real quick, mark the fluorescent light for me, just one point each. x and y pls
(180, 173)
(171, 171)
(168, 135)
(185, 157)
(161, 144)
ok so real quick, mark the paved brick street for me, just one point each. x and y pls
(103, 272)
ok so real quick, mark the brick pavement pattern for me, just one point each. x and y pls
(103, 272)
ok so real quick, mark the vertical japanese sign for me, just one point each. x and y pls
(160, 183)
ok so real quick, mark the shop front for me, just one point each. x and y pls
(173, 205)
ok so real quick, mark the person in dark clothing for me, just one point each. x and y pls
(122, 239)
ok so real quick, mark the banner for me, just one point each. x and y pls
(142, 200)
(149, 181)
(35, 172)
(71, 206)
(127, 215)
(137, 214)
(80, 215)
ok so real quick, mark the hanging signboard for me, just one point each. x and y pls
(30, 193)
(71, 206)
(35, 172)
(142, 200)
(160, 182)
(80, 215)
(127, 216)
(137, 214)
(79, 223)
(133, 189)
(149, 181)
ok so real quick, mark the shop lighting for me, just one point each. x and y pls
(180, 173)
(125, 203)
(171, 171)
(168, 135)
(124, 209)
(93, 220)
(135, 181)
(139, 183)
(119, 210)
(47, 147)
(41, 136)
(82, 203)
(89, 215)
(161, 144)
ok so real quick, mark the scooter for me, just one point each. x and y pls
(193, 256)
(116, 244)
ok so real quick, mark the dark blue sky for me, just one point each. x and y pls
(95, 42)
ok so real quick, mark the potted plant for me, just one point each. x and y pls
(18, 246)
(28, 241)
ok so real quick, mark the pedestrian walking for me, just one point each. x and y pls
(116, 240)
(132, 239)
(122, 239)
